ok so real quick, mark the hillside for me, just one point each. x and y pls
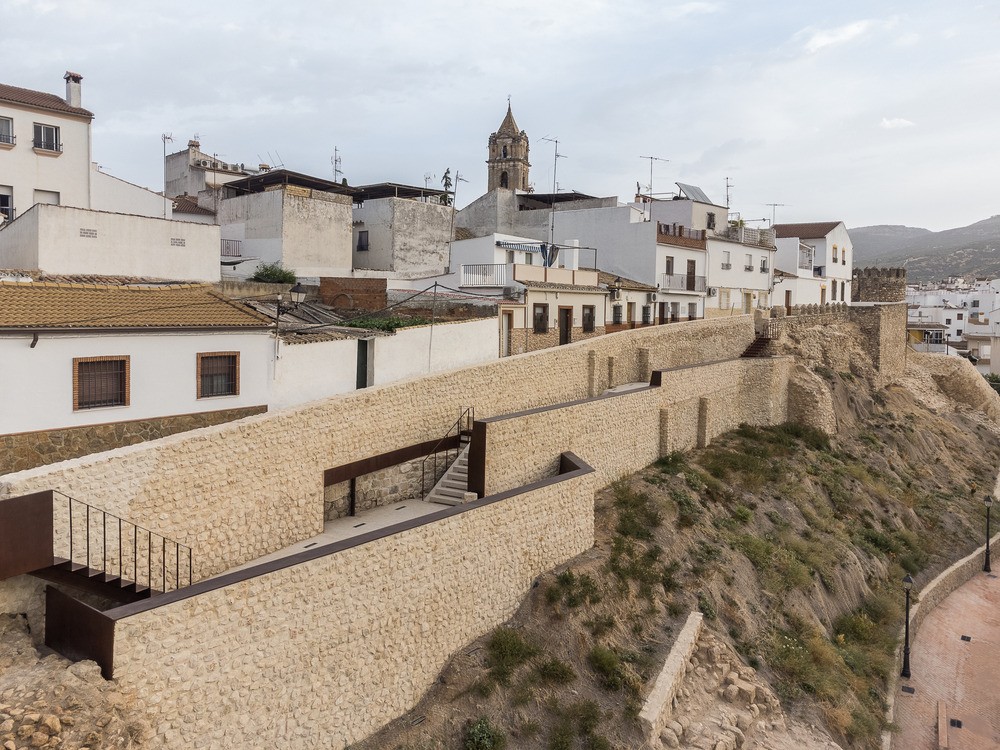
(792, 545)
(927, 256)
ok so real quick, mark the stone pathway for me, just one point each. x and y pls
(963, 674)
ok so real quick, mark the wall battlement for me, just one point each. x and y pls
(878, 285)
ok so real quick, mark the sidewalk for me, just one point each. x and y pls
(963, 674)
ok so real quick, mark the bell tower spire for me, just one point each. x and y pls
(508, 165)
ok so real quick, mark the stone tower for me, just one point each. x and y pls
(508, 163)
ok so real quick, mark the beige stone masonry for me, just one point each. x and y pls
(658, 709)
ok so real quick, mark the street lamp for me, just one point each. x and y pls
(296, 295)
(988, 501)
(907, 585)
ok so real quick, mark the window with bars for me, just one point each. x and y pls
(616, 315)
(541, 318)
(100, 382)
(47, 137)
(218, 374)
(588, 318)
(647, 314)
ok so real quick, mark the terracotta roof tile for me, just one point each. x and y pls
(808, 231)
(27, 97)
(607, 279)
(46, 305)
(188, 204)
(563, 287)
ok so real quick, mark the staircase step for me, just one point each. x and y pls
(449, 492)
(453, 485)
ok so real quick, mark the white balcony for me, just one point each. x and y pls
(485, 274)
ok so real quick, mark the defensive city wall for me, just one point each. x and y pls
(326, 646)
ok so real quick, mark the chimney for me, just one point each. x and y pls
(73, 87)
(194, 143)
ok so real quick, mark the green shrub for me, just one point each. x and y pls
(688, 512)
(672, 463)
(706, 607)
(573, 589)
(273, 273)
(482, 735)
(385, 323)
(608, 667)
(600, 625)
(636, 515)
(506, 651)
(555, 671)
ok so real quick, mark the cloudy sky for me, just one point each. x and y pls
(871, 112)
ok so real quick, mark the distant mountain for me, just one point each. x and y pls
(928, 256)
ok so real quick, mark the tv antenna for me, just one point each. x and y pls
(773, 207)
(651, 160)
(729, 187)
(335, 163)
(555, 184)
(428, 176)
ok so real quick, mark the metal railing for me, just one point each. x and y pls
(750, 236)
(47, 145)
(98, 540)
(676, 230)
(437, 462)
(484, 274)
(726, 266)
(232, 248)
(682, 282)
(8, 138)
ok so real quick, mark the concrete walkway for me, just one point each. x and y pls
(964, 674)
(351, 526)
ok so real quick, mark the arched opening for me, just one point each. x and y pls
(504, 182)
(504, 152)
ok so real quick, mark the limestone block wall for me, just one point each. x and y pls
(237, 491)
(658, 709)
(325, 652)
(884, 329)
(623, 432)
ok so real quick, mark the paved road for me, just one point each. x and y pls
(963, 674)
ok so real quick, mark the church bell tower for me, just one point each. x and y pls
(508, 150)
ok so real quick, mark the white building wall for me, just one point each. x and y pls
(25, 169)
(740, 286)
(36, 384)
(450, 345)
(110, 193)
(626, 245)
(313, 371)
(375, 217)
(78, 241)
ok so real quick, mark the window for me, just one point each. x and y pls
(727, 262)
(748, 265)
(631, 312)
(947, 321)
(616, 314)
(692, 310)
(504, 152)
(833, 292)
(842, 297)
(6, 204)
(218, 374)
(959, 332)
(669, 269)
(47, 137)
(6, 131)
(541, 316)
(100, 381)
(504, 180)
(647, 315)
(835, 254)
(710, 221)
(763, 264)
(961, 315)
(723, 299)
(588, 318)
(362, 240)
(975, 303)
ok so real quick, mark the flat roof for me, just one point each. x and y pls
(394, 190)
(260, 182)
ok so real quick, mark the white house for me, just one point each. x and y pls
(816, 260)
(62, 240)
(190, 171)
(46, 157)
(76, 355)
(303, 222)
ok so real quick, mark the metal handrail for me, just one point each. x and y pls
(98, 535)
(468, 416)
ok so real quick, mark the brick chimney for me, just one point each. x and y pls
(73, 97)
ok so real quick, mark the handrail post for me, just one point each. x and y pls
(120, 571)
(70, 505)
(88, 535)
(190, 569)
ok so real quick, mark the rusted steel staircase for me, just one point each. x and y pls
(63, 540)
(761, 345)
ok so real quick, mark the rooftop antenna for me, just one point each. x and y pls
(651, 160)
(428, 176)
(335, 163)
(729, 187)
(555, 184)
(773, 207)
(166, 137)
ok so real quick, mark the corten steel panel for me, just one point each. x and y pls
(25, 533)
(78, 631)
(477, 459)
(385, 460)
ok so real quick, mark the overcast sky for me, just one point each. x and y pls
(870, 112)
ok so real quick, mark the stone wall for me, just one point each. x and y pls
(26, 450)
(621, 433)
(353, 293)
(658, 709)
(878, 285)
(237, 491)
(884, 338)
(526, 340)
(323, 653)
(397, 483)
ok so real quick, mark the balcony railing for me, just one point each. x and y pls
(819, 271)
(232, 248)
(680, 282)
(750, 236)
(675, 234)
(485, 274)
(8, 138)
(48, 145)
(763, 268)
(726, 266)
(748, 267)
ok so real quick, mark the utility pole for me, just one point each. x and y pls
(729, 187)
(335, 163)
(165, 137)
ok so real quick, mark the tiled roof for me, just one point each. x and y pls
(41, 100)
(41, 305)
(808, 231)
(461, 233)
(188, 204)
(562, 287)
(607, 279)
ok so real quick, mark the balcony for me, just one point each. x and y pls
(727, 266)
(44, 145)
(748, 267)
(819, 271)
(7, 139)
(485, 274)
(232, 248)
(680, 282)
(675, 234)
